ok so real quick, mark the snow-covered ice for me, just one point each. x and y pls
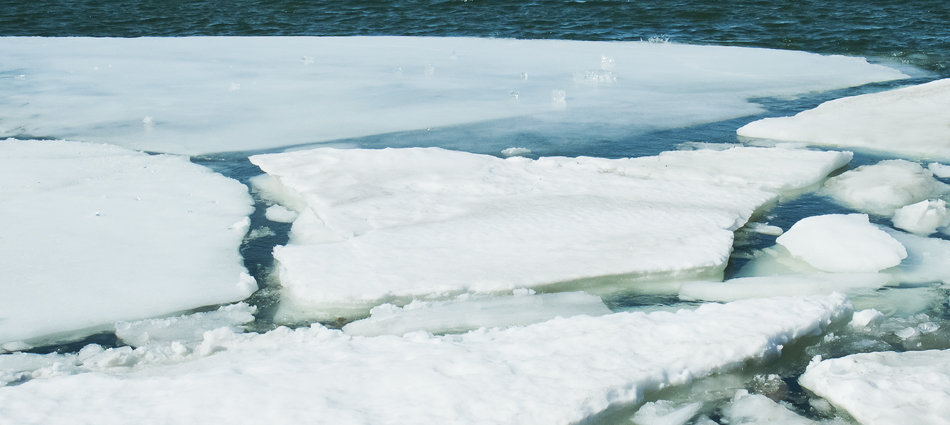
(95, 234)
(213, 94)
(185, 328)
(907, 121)
(886, 387)
(381, 225)
(557, 372)
(923, 218)
(472, 312)
(884, 187)
(842, 243)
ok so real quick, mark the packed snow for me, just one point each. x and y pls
(907, 121)
(389, 225)
(195, 95)
(556, 372)
(471, 312)
(886, 387)
(842, 243)
(97, 234)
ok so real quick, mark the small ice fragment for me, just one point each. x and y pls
(922, 218)
(864, 318)
(148, 121)
(429, 70)
(665, 412)
(842, 243)
(307, 60)
(765, 229)
(906, 333)
(513, 151)
(234, 87)
(260, 232)
(939, 170)
(20, 77)
(928, 327)
(607, 63)
(280, 214)
(524, 75)
(559, 96)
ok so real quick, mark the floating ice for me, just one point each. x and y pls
(470, 312)
(376, 225)
(884, 187)
(664, 412)
(96, 234)
(787, 285)
(184, 329)
(842, 243)
(886, 387)
(922, 218)
(213, 94)
(939, 170)
(751, 409)
(865, 317)
(909, 121)
(557, 372)
(280, 214)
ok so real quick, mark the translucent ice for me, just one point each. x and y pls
(212, 94)
(99, 234)
(909, 121)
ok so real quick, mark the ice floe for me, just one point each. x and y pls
(556, 372)
(908, 121)
(388, 225)
(96, 234)
(842, 243)
(886, 387)
(885, 187)
(213, 94)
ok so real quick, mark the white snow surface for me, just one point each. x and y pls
(886, 387)
(842, 243)
(557, 372)
(755, 409)
(907, 121)
(378, 224)
(96, 234)
(471, 312)
(884, 187)
(195, 95)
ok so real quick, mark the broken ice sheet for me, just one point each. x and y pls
(907, 121)
(389, 225)
(556, 372)
(96, 234)
(886, 387)
(193, 95)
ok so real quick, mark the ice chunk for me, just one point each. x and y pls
(470, 312)
(939, 170)
(787, 285)
(280, 214)
(558, 372)
(864, 318)
(748, 408)
(416, 222)
(187, 329)
(516, 151)
(926, 261)
(213, 94)
(665, 412)
(909, 121)
(104, 234)
(886, 387)
(884, 187)
(922, 218)
(842, 243)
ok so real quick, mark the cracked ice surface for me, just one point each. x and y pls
(381, 224)
(556, 372)
(100, 233)
(213, 94)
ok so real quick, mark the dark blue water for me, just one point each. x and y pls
(915, 32)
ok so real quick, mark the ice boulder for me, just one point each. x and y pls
(97, 234)
(194, 95)
(908, 121)
(842, 243)
(884, 187)
(561, 371)
(886, 387)
(394, 224)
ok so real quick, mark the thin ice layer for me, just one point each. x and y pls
(886, 387)
(908, 121)
(557, 372)
(211, 94)
(95, 234)
(378, 224)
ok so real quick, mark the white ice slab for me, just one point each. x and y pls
(209, 94)
(468, 312)
(557, 372)
(95, 234)
(842, 243)
(909, 121)
(379, 224)
(884, 187)
(923, 218)
(886, 387)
